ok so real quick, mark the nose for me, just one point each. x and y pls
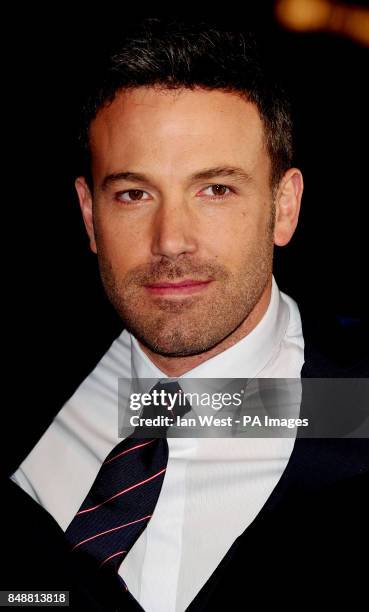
(173, 230)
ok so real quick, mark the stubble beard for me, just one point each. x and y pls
(195, 324)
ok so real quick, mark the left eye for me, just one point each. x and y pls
(217, 191)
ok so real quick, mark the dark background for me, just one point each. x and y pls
(60, 321)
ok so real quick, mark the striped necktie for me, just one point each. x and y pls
(123, 496)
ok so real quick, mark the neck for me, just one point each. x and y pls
(176, 366)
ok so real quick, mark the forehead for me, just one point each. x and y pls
(176, 129)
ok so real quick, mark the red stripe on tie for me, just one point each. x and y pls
(138, 484)
(97, 535)
(120, 552)
(128, 451)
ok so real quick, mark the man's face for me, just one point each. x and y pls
(196, 207)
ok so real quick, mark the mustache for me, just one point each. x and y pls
(168, 271)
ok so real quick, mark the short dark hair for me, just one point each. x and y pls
(176, 54)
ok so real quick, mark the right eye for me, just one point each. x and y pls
(131, 195)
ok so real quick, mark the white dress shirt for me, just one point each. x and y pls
(213, 487)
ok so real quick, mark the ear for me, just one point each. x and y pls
(288, 201)
(85, 202)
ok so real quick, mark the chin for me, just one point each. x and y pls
(171, 349)
(177, 345)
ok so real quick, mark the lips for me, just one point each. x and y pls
(185, 283)
(184, 287)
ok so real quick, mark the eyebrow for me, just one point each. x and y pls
(208, 173)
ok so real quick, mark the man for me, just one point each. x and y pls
(188, 186)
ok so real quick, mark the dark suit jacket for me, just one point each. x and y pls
(307, 545)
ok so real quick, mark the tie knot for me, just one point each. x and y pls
(174, 398)
(168, 403)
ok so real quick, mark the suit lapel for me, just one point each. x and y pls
(315, 465)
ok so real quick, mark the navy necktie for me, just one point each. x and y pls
(123, 495)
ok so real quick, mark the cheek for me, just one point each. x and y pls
(233, 239)
(123, 244)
